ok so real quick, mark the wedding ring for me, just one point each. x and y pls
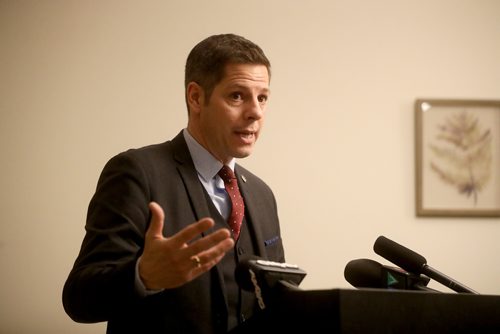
(196, 260)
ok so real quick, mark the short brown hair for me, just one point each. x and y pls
(207, 60)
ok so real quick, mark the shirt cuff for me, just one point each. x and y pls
(139, 285)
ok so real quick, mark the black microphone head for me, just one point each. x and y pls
(364, 273)
(399, 255)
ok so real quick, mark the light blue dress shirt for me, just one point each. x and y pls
(207, 167)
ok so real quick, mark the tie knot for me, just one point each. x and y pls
(226, 174)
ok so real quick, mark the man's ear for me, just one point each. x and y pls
(195, 97)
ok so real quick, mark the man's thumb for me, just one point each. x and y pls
(155, 229)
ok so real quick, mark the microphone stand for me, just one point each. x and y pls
(446, 280)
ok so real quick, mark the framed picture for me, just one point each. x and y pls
(457, 158)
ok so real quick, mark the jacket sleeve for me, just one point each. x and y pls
(102, 281)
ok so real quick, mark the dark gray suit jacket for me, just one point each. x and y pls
(100, 286)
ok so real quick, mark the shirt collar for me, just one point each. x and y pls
(205, 163)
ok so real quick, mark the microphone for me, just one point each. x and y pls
(415, 263)
(366, 273)
(267, 273)
(267, 277)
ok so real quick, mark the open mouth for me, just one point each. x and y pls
(246, 135)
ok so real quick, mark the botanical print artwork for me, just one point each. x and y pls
(462, 154)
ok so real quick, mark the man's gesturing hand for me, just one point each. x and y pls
(171, 262)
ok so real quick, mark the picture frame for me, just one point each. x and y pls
(457, 145)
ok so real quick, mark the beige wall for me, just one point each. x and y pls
(83, 80)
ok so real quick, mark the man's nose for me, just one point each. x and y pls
(255, 109)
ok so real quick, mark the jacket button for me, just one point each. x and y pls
(241, 251)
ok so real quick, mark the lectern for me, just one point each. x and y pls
(375, 311)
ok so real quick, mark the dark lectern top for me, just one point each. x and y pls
(375, 311)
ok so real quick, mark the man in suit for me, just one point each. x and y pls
(158, 255)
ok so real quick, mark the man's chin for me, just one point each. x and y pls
(243, 153)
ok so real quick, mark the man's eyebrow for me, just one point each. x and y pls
(237, 86)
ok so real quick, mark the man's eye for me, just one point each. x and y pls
(263, 98)
(236, 96)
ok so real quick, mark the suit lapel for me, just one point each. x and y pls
(189, 176)
(252, 210)
(195, 191)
